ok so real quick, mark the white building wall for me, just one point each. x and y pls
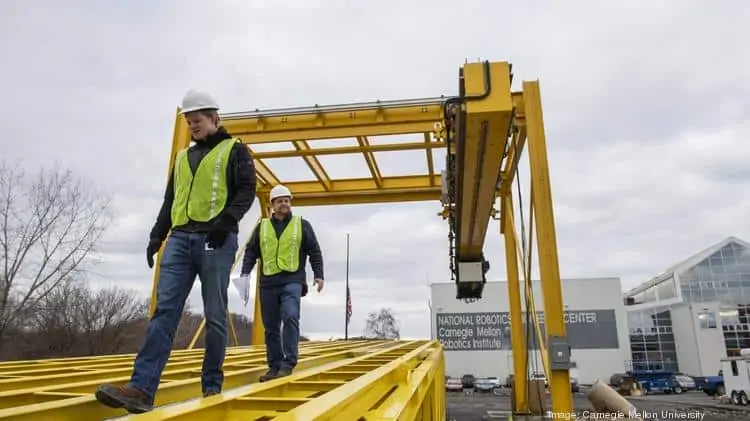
(711, 345)
(578, 295)
(686, 341)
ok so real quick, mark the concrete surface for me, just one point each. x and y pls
(687, 406)
(691, 398)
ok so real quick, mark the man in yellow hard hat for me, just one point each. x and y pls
(211, 188)
(283, 243)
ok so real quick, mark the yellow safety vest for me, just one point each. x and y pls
(282, 253)
(201, 196)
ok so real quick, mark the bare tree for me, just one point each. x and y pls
(382, 325)
(74, 320)
(54, 321)
(49, 226)
(106, 317)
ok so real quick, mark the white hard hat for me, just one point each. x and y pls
(280, 191)
(198, 100)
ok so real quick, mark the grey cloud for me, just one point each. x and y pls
(645, 110)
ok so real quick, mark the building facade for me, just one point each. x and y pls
(695, 313)
(476, 336)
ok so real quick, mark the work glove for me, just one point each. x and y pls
(153, 247)
(219, 232)
(242, 284)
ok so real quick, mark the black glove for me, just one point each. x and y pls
(219, 232)
(153, 247)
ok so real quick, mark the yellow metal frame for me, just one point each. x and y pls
(490, 126)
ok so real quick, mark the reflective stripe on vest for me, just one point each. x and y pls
(280, 253)
(201, 196)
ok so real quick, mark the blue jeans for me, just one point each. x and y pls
(280, 304)
(185, 257)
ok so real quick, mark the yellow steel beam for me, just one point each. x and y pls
(313, 163)
(264, 173)
(302, 189)
(388, 382)
(419, 396)
(33, 368)
(74, 399)
(429, 146)
(369, 197)
(364, 144)
(330, 122)
(365, 190)
(348, 150)
(517, 336)
(486, 126)
(549, 270)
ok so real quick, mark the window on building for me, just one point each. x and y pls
(730, 316)
(707, 319)
(666, 289)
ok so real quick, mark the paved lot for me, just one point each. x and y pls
(688, 406)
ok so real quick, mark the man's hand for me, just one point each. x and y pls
(319, 283)
(153, 247)
(219, 232)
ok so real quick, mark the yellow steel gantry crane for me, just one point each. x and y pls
(484, 130)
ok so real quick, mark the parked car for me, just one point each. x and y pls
(574, 386)
(539, 376)
(494, 381)
(682, 383)
(453, 384)
(484, 385)
(468, 381)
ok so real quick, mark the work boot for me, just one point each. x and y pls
(210, 393)
(125, 396)
(283, 372)
(270, 375)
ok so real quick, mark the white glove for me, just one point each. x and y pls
(243, 287)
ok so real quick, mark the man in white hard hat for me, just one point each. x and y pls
(283, 243)
(211, 188)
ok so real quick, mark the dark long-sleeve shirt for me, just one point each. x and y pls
(310, 248)
(240, 179)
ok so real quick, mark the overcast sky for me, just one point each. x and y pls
(646, 106)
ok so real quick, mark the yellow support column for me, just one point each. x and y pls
(259, 333)
(180, 141)
(517, 337)
(549, 270)
(197, 334)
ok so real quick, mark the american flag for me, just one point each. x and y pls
(348, 305)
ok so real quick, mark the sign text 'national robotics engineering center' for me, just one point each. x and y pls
(490, 331)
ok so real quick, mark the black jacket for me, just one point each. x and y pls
(240, 178)
(310, 248)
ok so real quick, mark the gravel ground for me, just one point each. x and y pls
(687, 406)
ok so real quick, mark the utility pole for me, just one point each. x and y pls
(348, 305)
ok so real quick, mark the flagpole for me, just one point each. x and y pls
(346, 291)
